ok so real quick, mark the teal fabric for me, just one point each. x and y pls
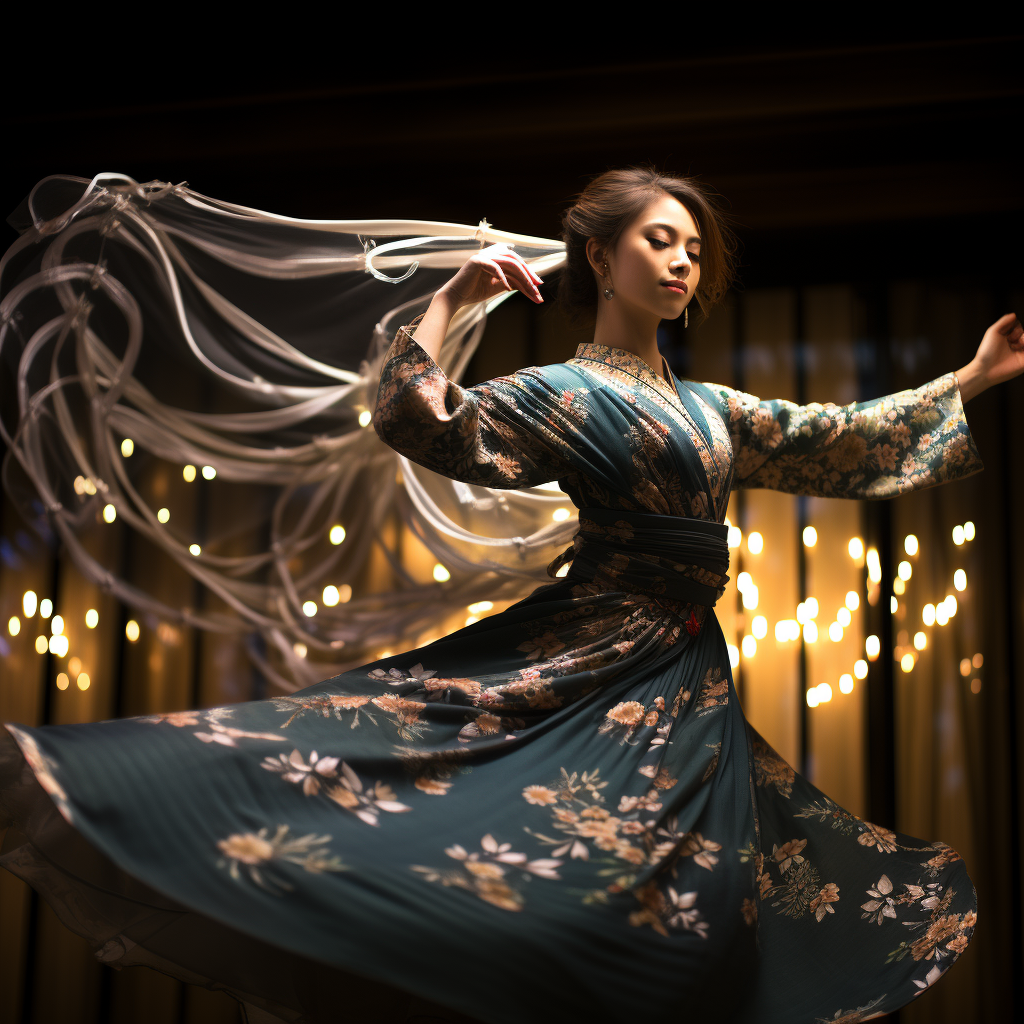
(559, 811)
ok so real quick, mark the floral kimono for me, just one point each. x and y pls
(558, 812)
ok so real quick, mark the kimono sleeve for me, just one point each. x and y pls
(509, 432)
(902, 442)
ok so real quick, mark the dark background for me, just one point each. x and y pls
(860, 158)
(870, 150)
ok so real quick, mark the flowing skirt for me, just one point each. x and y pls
(559, 811)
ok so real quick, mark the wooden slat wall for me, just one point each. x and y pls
(836, 729)
(27, 565)
(771, 679)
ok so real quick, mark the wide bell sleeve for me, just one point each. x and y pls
(509, 432)
(877, 449)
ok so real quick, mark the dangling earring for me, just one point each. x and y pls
(686, 317)
(608, 292)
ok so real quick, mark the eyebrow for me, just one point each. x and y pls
(672, 231)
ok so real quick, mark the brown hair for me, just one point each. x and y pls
(611, 202)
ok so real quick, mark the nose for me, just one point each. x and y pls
(681, 267)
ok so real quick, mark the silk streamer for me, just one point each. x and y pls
(282, 325)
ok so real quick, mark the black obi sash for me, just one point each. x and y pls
(665, 556)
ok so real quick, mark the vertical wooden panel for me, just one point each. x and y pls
(203, 1006)
(25, 564)
(932, 328)
(836, 740)
(67, 977)
(95, 649)
(15, 904)
(140, 994)
(66, 981)
(232, 528)
(772, 677)
(710, 345)
(157, 668)
(1004, 704)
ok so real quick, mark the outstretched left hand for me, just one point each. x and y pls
(1000, 355)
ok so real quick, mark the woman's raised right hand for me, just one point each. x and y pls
(490, 272)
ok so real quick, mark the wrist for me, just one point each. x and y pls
(971, 379)
(447, 301)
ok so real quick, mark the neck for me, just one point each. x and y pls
(630, 329)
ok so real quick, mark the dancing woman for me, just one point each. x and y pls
(559, 811)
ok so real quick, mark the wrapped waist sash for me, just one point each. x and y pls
(665, 556)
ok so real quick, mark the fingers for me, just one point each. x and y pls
(1010, 328)
(507, 249)
(530, 281)
(496, 271)
(500, 257)
(1007, 323)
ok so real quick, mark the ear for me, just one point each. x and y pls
(596, 256)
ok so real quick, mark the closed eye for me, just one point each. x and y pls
(660, 243)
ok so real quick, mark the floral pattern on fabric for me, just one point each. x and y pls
(337, 782)
(488, 872)
(576, 769)
(906, 441)
(513, 431)
(259, 857)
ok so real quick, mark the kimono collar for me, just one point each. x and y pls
(623, 360)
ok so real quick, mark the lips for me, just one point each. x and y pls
(675, 286)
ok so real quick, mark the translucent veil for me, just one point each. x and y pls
(282, 325)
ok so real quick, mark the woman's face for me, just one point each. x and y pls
(655, 265)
